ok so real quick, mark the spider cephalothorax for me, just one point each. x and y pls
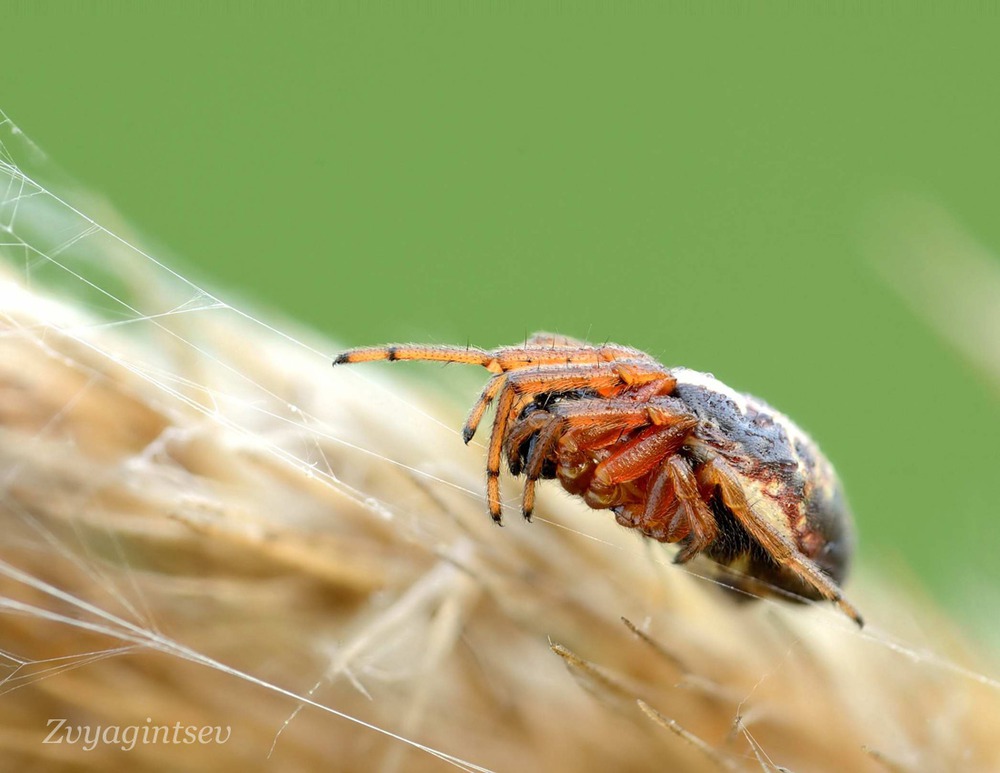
(672, 452)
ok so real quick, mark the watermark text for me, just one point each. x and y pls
(127, 737)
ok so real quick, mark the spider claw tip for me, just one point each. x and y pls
(342, 358)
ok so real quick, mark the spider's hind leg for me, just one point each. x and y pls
(674, 510)
(778, 546)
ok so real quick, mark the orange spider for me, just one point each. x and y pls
(672, 452)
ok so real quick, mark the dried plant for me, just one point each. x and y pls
(205, 524)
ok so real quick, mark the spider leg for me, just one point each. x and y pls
(609, 486)
(494, 455)
(517, 357)
(487, 396)
(568, 418)
(521, 387)
(656, 515)
(643, 379)
(777, 545)
(545, 350)
(495, 360)
(544, 443)
(605, 378)
(633, 410)
(594, 423)
(540, 350)
(592, 434)
(580, 424)
(497, 383)
(512, 399)
(674, 509)
(550, 427)
(698, 519)
(645, 451)
(519, 433)
(466, 355)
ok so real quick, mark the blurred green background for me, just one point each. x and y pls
(696, 181)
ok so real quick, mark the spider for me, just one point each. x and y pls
(673, 453)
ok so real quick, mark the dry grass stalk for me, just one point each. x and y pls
(312, 527)
(205, 524)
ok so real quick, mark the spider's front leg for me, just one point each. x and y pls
(522, 434)
(568, 425)
(636, 458)
(645, 374)
(519, 388)
(541, 351)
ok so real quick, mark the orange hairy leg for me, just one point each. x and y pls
(642, 453)
(542, 349)
(589, 424)
(654, 517)
(521, 387)
(605, 380)
(673, 510)
(615, 418)
(631, 460)
(497, 360)
(544, 444)
(593, 422)
(693, 515)
(519, 434)
(629, 374)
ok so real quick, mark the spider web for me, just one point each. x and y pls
(56, 246)
(122, 582)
